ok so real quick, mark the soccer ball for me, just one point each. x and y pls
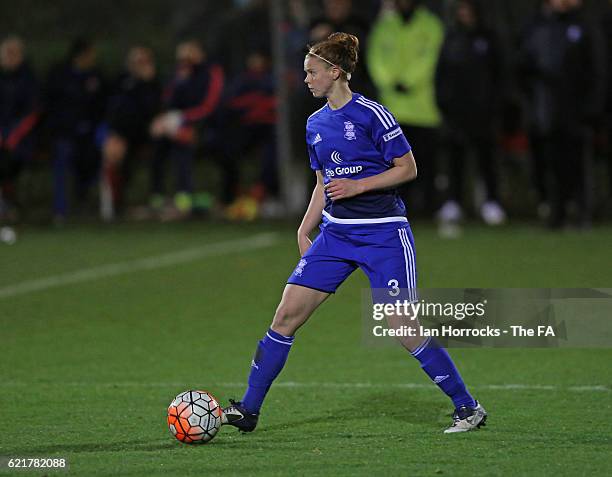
(194, 417)
(8, 235)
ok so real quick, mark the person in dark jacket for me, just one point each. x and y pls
(19, 111)
(191, 97)
(134, 101)
(340, 15)
(75, 100)
(562, 66)
(606, 127)
(469, 89)
(249, 119)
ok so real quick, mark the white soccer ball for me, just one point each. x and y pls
(8, 235)
(194, 417)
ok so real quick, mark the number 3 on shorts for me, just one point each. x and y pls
(393, 283)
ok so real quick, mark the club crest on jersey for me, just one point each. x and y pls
(349, 131)
(300, 268)
(335, 157)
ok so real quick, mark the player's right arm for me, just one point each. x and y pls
(312, 217)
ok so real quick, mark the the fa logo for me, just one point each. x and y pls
(300, 268)
(349, 131)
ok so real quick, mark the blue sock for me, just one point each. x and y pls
(269, 359)
(439, 366)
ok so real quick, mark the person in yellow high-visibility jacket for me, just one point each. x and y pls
(403, 49)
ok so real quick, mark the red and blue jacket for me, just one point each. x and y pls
(19, 106)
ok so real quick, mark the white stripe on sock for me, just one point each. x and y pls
(421, 347)
(279, 341)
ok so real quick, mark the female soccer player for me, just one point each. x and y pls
(359, 155)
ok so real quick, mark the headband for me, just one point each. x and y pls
(348, 75)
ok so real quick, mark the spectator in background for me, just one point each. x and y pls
(607, 126)
(249, 122)
(339, 15)
(135, 99)
(249, 23)
(469, 92)
(192, 96)
(403, 51)
(75, 97)
(295, 35)
(562, 65)
(19, 96)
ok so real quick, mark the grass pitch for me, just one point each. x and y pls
(102, 326)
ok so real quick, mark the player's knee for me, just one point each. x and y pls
(286, 319)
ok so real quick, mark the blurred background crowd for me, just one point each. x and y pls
(137, 110)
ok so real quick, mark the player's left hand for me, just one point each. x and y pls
(343, 189)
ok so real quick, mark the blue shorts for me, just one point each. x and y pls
(386, 256)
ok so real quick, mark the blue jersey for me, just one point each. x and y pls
(359, 140)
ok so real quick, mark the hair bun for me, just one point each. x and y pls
(339, 49)
(347, 40)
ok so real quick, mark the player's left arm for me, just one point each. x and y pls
(404, 170)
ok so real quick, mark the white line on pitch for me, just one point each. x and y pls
(150, 263)
(294, 384)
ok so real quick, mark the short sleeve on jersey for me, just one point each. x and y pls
(388, 136)
(315, 165)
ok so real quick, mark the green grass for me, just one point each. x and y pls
(88, 369)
